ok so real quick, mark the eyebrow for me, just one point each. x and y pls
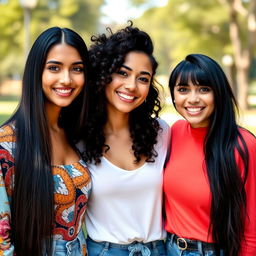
(59, 63)
(142, 72)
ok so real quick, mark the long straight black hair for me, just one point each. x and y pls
(227, 182)
(32, 205)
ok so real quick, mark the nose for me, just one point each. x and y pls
(130, 84)
(65, 78)
(194, 97)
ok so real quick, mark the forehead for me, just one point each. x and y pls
(63, 51)
(192, 78)
(138, 59)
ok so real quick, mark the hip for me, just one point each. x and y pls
(76, 247)
(154, 248)
(178, 246)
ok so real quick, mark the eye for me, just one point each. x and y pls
(78, 69)
(121, 72)
(205, 89)
(182, 89)
(144, 79)
(53, 68)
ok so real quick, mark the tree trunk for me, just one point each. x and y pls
(242, 94)
(243, 51)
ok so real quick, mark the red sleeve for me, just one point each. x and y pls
(249, 244)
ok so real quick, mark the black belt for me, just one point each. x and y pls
(192, 245)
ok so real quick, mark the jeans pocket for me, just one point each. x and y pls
(95, 249)
(160, 250)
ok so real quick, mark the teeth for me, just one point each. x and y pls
(125, 96)
(194, 109)
(63, 90)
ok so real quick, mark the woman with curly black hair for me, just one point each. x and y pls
(125, 147)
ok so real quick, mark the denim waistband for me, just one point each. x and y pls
(134, 247)
(69, 246)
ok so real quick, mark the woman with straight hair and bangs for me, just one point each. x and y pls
(210, 179)
(44, 183)
(125, 147)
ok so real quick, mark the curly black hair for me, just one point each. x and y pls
(107, 54)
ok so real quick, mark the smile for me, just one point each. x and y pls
(194, 110)
(64, 92)
(124, 96)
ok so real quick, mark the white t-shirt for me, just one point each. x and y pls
(126, 206)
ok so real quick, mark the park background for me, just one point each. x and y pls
(222, 29)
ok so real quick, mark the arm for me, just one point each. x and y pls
(249, 244)
(6, 248)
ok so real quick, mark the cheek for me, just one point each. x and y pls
(144, 92)
(210, 102)
(110, 88)
(81, 80)
(47, 80)
(179, 100)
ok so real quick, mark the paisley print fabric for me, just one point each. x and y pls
(72, 186)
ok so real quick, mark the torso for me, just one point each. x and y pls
(72, 184)
(186, 186)
(126, 198)
(62, 152)
(120, 153)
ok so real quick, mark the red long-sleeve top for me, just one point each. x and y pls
(187, 191)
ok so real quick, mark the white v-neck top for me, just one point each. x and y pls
(126, 206)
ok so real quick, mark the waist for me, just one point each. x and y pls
(190, 244)
(63, 245)
(150, 245)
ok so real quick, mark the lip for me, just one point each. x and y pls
(126, 97)
(63, 92)
(193, 111)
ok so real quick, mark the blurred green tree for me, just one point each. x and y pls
(213, 27)
(242, 31)
(80, 15)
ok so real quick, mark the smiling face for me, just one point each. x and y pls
(63, 76)
(195, 103)
(130, 84)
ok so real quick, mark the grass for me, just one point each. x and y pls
(3, 118)
(8, 105)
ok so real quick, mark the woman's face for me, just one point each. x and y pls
(130, 84)
(195, 103)
(63, 75)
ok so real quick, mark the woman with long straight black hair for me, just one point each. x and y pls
(44, 184)
(210, 179)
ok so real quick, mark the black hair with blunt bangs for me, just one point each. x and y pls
(32, 205)
(227, 185)
(107, 54)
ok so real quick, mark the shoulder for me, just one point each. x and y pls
(163, 124)
(179, 125)
(7, 133)
(7, 140)
(164, 130)
(249, 139)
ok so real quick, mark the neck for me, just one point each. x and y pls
(117, 123)
(53, 113)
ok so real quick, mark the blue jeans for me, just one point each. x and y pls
(155, 248)
(173, 249)
(76, 247)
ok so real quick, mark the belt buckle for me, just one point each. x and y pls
(180, 239)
